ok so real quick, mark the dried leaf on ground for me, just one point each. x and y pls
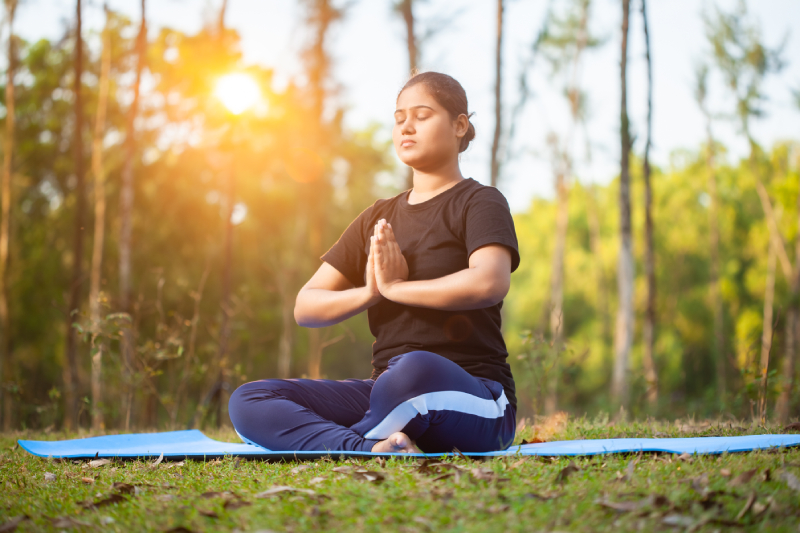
(158, 461)
(49, 476)
(298, 469)
(281, 489)
(486, 474)
(724, 472)
(123, 488)
(214, 494)
(381, 461)
(97, 463)
(88, 480)
(544, 496)
(792, 427)
(11, 525)
(517, 464)
(113, 498)
(654, 500)
(699, 483)
(743, 478)
(368, 475)
(678, 520)
(165, 497)
(750, 501)
(566, 472)
(686, 457)
(66, 522)
(791, 480)
(233, 504)
(179, 529)
(209, 514)
(343, 469)
(317, 480)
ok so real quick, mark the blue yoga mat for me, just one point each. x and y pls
(193, 444)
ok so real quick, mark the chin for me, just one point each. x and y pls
(413, 161)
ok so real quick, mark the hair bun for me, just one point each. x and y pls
(467, 138)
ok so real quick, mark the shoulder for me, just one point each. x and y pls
(484, 194)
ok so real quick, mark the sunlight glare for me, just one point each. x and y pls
(238, 92)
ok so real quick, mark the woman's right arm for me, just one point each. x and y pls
(329, 297)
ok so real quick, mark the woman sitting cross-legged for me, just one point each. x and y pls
(431, 267)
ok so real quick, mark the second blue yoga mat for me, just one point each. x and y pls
(194, 444)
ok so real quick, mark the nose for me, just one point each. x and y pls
(407, 127)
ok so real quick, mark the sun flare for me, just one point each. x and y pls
(237, 92)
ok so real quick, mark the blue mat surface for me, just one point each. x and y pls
(194, 444)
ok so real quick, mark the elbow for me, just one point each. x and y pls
(495, 291)
(298, 312)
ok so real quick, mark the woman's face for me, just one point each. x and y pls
(424, 135)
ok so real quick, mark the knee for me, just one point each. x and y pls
(411, 369)
(247, 398)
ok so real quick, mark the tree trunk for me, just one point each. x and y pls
(716, 294)
(623, 334)
(650, 373)
(71, 377)
(406, 8)
(557, 292)
(225, 300)
(6, 366)
(126, 223)
(498, 99)
(782, 409)
(595, 243)
(766, 334)
(99, 231)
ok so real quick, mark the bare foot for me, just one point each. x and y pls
(396, 443)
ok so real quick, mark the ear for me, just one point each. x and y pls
(461, 125)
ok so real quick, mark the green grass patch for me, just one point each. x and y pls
(756, 491)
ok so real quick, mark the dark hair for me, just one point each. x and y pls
(449, 94)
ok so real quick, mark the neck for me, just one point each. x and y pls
(431, 180)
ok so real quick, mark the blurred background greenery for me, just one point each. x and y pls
(155, 232)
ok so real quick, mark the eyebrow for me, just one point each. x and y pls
(414, 107)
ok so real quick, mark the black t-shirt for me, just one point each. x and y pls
(436, 237)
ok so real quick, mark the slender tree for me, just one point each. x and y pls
(126, 220)
(6, 364)
(623, 333)
(701, 95)
(321, 16)
(98, 171)
(744, 61)
(71, 379)
(766, 333)
(650, 373)
(405, 8)
(498, 97)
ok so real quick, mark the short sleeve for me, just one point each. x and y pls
(347, 255)
(489, 221)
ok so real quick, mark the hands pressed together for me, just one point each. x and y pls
(386, 265)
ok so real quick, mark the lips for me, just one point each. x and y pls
(406, 144)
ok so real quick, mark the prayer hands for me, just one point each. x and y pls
(389, 264)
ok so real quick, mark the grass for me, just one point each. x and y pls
(650, 492)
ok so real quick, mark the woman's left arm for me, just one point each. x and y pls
(484, 284)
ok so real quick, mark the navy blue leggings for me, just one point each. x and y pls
(434, 401)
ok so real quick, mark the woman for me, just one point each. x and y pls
(432, 266)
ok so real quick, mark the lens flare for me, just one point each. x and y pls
(238, 92)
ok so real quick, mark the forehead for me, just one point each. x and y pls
(416, 95)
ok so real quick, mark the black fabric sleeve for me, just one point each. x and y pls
(347, 255)
(488, 221)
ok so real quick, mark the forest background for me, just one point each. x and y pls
(152, 242)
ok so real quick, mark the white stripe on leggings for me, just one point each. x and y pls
(437, 401)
